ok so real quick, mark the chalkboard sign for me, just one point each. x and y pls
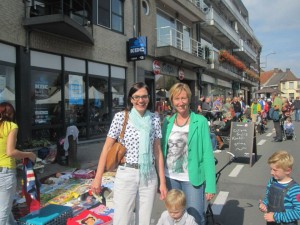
(243, 140)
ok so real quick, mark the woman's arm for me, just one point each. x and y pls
(11, 150)
(159, 162)
(96, 184)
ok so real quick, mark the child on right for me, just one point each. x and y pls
(282, 202)
(176, 213)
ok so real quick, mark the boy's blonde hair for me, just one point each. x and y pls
(282, 159)
(175, 199)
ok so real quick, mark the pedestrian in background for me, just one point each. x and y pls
(281, 204)
(296, 106)
(199, 103)
(176, 213)
(187, 149)
(8, 156)
(277, 105)
(255, 110)
(136, 181)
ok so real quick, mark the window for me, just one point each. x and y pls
(111, 14)
(7, 84)
(291, 85)
(283, 85)
(298, 84)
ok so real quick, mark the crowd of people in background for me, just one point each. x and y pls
(220, 112)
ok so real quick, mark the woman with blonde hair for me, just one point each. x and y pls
(186, 136)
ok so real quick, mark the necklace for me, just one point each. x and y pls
(184, 122)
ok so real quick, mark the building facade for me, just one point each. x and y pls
(65, 63)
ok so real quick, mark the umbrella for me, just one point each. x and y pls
(266, 90)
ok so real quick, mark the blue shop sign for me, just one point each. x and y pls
(137, 48)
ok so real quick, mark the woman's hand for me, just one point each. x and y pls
(32, 157)
(96, 185)
(209, 196)
(163, 191)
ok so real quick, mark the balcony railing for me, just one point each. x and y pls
(240, 18)
(168, 36)
(71, 19)
(200, 5)
(213, 16)
(78, 10)
(246, 48)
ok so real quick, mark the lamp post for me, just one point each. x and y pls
(266, 62)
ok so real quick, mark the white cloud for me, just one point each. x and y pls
(277, 27)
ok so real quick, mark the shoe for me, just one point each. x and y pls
(276, 140)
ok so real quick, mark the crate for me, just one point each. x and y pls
(49, 215)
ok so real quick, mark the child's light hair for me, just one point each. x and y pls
(289, 119)
(282, 159)
(175, 199)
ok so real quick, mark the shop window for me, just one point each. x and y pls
(7, 84)
(46, 97)
(75, 103)
(111, 14)
(118, 95)
(98, 106)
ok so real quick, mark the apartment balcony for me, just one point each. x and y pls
(227, 71)
(221, 30)
(194, 10)
(173, 45)
(66, 18)
(246, 52)
(230, 6)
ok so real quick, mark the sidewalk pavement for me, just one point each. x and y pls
(87, 155)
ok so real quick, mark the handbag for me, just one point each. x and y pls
(117, 150)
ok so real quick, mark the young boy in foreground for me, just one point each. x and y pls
(282, 202)
(176, 214)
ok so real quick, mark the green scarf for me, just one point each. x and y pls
(143, 124)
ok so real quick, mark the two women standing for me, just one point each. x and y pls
(186, 150)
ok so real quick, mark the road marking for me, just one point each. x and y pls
(269, 134)
(219, 202)
(261, 142)
(235, 172)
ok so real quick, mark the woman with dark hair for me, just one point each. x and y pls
(136, 179)
(8, 156)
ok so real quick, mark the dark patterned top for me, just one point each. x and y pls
(131, 136)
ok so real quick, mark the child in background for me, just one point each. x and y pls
(282, 202)
(175, 203)
(288, 126)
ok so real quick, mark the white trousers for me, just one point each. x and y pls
(130, 195)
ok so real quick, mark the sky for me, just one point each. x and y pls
(276, 24)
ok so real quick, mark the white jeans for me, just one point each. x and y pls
(130, 195)
(8, 185)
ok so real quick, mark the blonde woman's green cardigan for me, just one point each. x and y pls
(201, 163)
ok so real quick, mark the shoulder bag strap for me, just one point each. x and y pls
(124, 125)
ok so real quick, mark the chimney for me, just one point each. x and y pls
(288, 69)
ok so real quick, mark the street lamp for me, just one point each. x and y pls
(266, 62)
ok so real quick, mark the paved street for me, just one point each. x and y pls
(239, 187)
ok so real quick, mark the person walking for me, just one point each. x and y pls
(136, 179)
(237, 108)
(8, 156)
(277, 106)
(188, 153)
(255, 110)
(296, 106)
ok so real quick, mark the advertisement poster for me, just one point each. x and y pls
(41, 90)
(75, 90)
